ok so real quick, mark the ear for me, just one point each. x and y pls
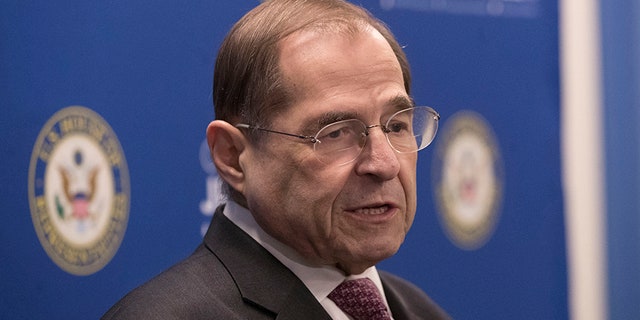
(226, 143)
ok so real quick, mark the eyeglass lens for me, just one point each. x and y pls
(407, 131)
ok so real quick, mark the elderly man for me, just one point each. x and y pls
(316, 139)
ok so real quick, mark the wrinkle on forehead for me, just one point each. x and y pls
(305, 52)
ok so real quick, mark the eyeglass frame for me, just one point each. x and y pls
(383, 127)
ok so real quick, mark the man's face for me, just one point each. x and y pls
(354, 215)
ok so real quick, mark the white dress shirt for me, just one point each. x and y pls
(320, 280)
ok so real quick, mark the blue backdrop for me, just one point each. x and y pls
(146, 69)
(621, 77)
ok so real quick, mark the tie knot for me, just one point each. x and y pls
(360, 299)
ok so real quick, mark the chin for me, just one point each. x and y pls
(364, 262)
(379, 253)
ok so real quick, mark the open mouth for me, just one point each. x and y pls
(372, 210)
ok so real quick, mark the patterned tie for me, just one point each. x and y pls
(360, 299)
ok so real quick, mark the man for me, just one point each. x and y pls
(316, 139)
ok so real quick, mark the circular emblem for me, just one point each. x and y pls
(468, 179)
(79, 190)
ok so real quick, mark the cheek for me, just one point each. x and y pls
(315, 192)
(311, 202)
(295, 193)
(301, 217)
(407, 178)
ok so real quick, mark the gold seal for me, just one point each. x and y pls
(79, 190)
(468, 179)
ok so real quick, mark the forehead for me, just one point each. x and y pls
(328, 71)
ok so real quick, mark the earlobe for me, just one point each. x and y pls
(226, 143)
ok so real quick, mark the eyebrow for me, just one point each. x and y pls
(401, 102)
(333, 116)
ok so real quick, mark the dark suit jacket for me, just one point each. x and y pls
(230, 276)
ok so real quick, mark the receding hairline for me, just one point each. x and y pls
(299, 39)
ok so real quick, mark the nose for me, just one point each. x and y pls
(378, 158)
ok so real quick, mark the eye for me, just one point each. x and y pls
(336, 132)
(398, 127)
(342, 131)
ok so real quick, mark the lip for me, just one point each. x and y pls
(373, 212)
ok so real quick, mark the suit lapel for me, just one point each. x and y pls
(397, 305)
(408, 302)
(261, 279)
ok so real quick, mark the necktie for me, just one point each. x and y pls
(360, 299)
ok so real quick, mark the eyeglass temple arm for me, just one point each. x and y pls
(246, 126)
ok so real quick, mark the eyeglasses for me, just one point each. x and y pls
(341, 142)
